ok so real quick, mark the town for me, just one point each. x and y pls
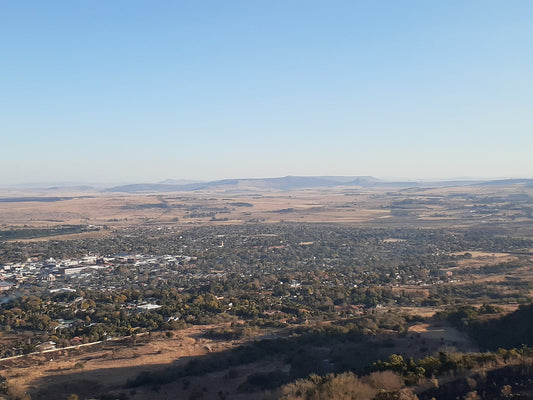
(264, 274)
(90, 272)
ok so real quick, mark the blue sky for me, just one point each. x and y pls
(123, 91)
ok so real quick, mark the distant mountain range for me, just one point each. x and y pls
(288, 183)
(179, 181)
(506, 182)
(285, 183)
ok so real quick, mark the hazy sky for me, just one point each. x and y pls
(101, 90)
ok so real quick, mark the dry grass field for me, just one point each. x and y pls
(124, 210)
(453, 207)
(105, 367)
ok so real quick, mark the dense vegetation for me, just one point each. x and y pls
(490, 376)
(512, 330)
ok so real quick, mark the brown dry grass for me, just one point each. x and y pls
(110, 365)
(421, 311)
(446, 333)
(126, 210)
(350, 206)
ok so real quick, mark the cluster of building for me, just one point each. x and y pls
(35, 271)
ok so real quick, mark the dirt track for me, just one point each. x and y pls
(108, 365)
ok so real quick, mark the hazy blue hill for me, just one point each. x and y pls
(153, 187)
(301, 182)
(179, 181)
(506, 182)
(284, 183)
(75, 188)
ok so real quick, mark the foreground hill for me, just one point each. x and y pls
(512, 330)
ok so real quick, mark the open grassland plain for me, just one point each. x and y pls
(508, 209)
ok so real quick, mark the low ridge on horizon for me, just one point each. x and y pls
(300, 182)
(285, 183)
